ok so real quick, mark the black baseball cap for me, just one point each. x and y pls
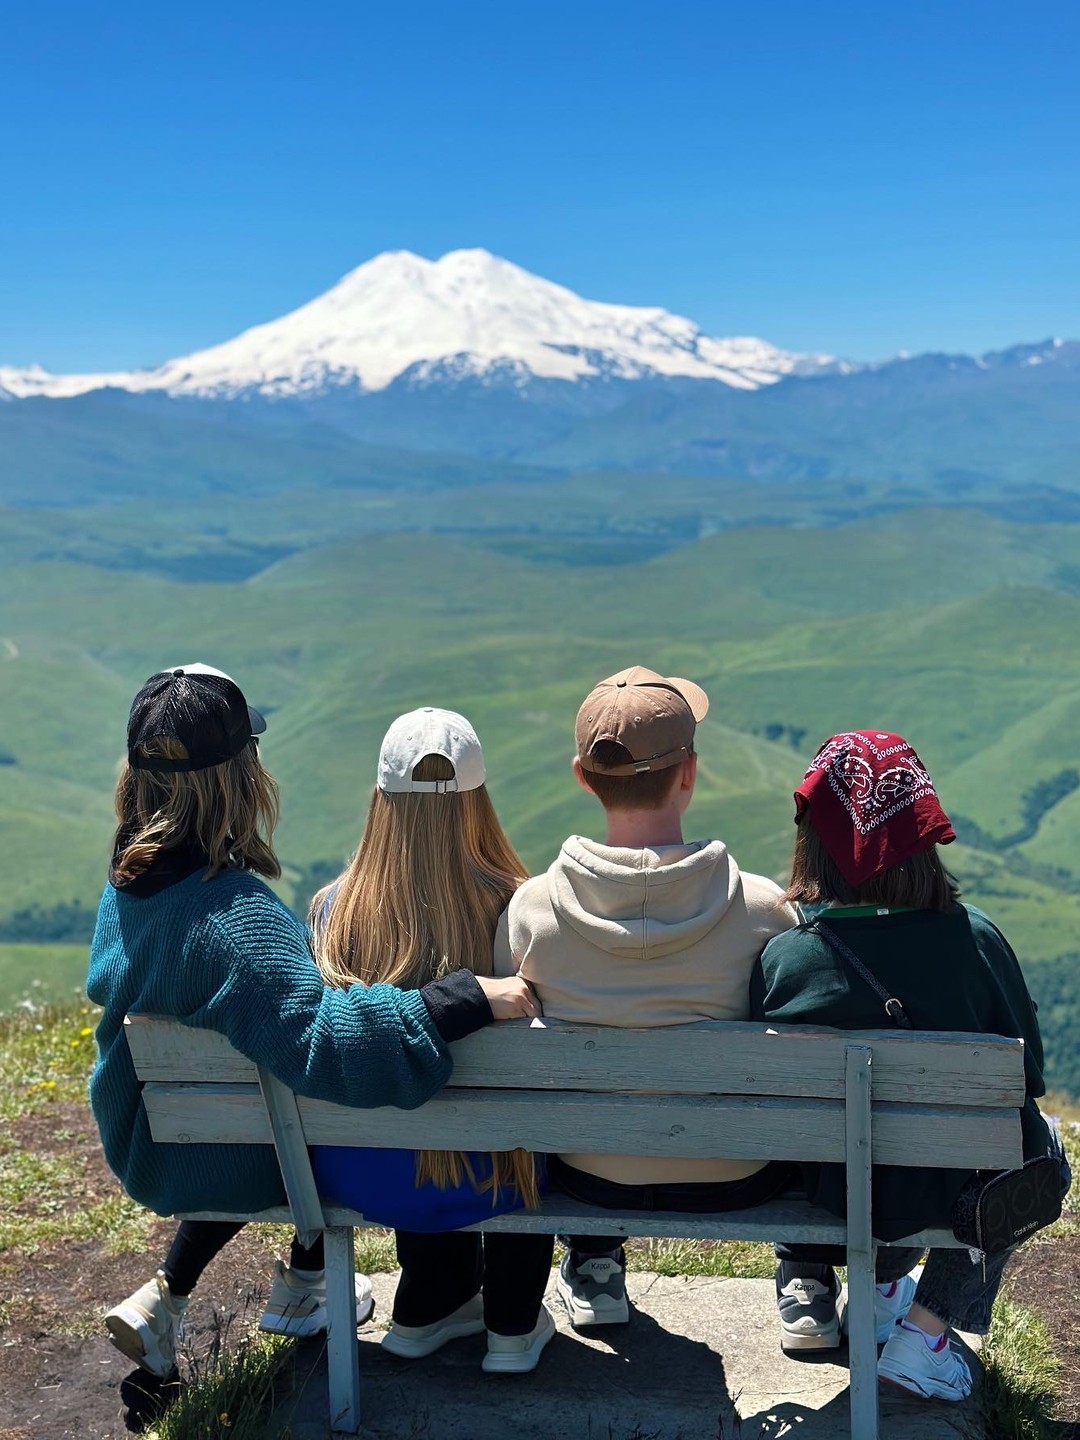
(201, 707)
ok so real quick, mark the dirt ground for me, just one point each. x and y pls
(60, 1379)
(1046, 1279)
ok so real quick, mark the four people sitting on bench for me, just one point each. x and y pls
(643, 929)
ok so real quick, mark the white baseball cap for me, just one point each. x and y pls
(430, 732)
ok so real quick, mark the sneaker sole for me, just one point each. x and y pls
(523, 1363)
(914, 1390)
(302, 1326)
(794, 1342)
(127, 1333)
(827, 1337)
(611, 1312)
(407, 1348)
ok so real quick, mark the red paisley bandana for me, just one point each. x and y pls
(872, 803)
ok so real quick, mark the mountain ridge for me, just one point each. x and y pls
(399, 312)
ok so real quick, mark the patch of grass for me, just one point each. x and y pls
(44, 974)
(231, 1394)
(117, 1222)
(728, 1259)
(46, 1054)
(374, 1247)
(1022, 1372)
(375, 1251)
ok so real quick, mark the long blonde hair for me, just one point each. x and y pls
(421, 897)
(228, 812)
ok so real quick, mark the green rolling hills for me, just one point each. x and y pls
(954, 627)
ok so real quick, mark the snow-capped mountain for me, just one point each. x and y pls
(469, 315)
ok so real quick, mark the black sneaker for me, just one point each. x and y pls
(811, 1307)
(593, 1289)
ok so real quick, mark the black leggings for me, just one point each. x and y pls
(440, 1272)
(197, 1242)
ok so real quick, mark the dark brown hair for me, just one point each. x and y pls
(229, 811)
(920, 882)
(650, 790)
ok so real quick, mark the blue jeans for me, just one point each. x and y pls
(958, 1286)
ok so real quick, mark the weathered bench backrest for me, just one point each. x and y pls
(735, 1089)
(738, 1090)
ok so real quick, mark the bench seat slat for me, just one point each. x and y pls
(710, 1057)
(782, 1220)
(735, 1126)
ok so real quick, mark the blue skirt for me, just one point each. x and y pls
(382, 1185)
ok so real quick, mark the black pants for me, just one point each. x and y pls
(890, 1262)
(690, 1197)
(197, 1242)
(441, 1272)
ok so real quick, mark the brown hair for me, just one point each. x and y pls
(649, 790)
(229, 811)
(921, 882)
(421, 897)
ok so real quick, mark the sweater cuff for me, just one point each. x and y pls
(457, 1005)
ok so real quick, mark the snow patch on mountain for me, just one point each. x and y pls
(469, 315)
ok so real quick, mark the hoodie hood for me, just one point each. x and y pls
(638, 903)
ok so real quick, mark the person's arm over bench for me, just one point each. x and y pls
(365, 1046)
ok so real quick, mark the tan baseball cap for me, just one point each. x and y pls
(652, 716)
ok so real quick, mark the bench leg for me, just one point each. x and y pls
(342, 1359)
(862, 1347)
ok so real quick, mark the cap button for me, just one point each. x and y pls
(620, 684)
(178, 672)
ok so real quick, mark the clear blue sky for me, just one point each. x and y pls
(856, 177)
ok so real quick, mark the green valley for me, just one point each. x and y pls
(954, 627)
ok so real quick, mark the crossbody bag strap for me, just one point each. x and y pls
(893, 1007)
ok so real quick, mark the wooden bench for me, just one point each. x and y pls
(740, 1090)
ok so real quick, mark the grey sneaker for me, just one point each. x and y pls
(594, 1290)
(811, 1309)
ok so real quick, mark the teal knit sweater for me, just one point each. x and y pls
(226, 955)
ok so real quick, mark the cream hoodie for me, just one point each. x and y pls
(640, 938)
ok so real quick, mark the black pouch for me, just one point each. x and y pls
(997, 1209)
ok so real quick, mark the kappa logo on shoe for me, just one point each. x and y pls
(600, 1269)
(806, 1291)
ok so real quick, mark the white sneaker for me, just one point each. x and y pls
(909, 1363)
(890, 1310)
(146, 1326)
(412, 1342)
(518, 1354)
(298, 1306)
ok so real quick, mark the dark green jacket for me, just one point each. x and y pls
(952, 971)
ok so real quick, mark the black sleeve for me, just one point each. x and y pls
(457, 1005)
(758, 991)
